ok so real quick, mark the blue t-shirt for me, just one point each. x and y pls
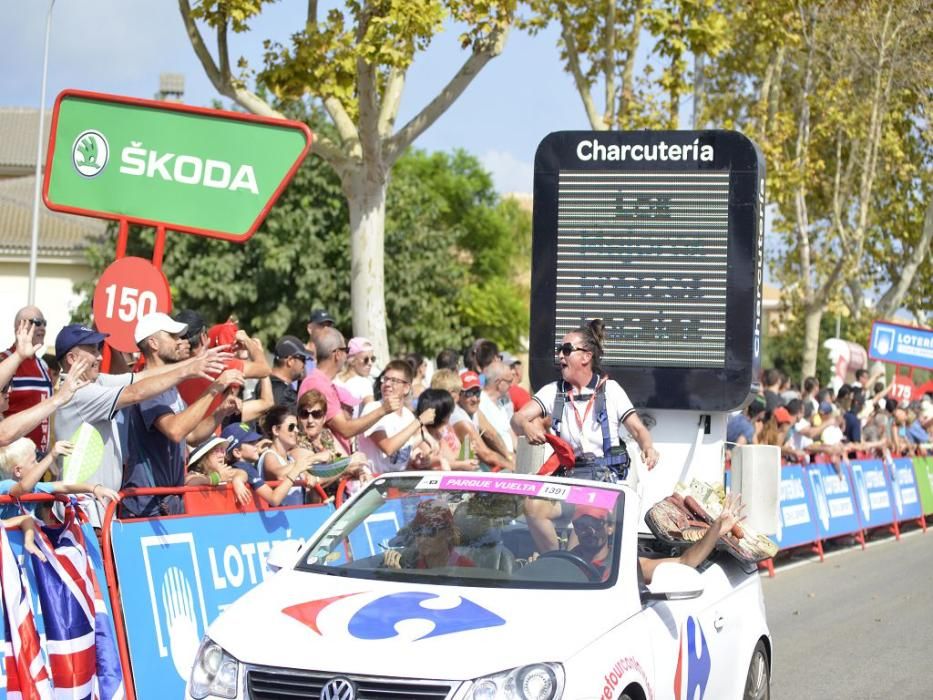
(252, 474)
(11, 510)
(852, 430)
(917, 434)
(739, 425)
(152, 458)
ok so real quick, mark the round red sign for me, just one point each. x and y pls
(128, 289)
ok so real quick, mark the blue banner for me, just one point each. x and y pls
(797, 520)
(16, 542)
(177, 574)
(833, 501)
(872, 492)
(906, 492)
(901, 345)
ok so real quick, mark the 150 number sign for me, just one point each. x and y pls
(129, 289)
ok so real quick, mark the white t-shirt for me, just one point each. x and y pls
(498, 418)
(459, 416)
(618, 408)
(390, 424)
(360, 387)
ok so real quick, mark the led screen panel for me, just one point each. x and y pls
(658, 234)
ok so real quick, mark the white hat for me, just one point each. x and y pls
(155, 322)
(206, 447)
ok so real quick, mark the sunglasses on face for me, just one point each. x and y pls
(470, 393)
(40, 322)
(567, 348)
(315, 413)
(589, 525)
(291, 427)
(366, 360)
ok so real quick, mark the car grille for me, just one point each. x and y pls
(290, 684)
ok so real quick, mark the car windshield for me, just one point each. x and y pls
(475, 530)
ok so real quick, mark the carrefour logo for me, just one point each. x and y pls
(378, 618)
(694, 663)
(90, 153)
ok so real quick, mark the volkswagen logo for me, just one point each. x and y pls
(338, 689)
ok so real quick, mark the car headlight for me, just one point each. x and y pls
(534, 682)
(214, 672)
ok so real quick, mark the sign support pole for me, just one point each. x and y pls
(123, 235)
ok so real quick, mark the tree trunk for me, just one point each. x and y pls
(811, 339)
(366, 197)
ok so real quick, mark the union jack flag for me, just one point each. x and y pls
(79, 635)
(26, 670)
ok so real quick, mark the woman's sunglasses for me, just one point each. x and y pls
(291, 427)
(568, 348)
(316, 413)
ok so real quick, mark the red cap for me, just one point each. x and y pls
(592, 511)
(469, 380)
(222, 334)
(782, 415)
(433, 513)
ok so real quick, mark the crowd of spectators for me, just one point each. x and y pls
(814, 423)
(204, 404)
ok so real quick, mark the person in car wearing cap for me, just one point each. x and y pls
(158, 427)
(593, 528)
(99, 403)
(207, 466)
(434, 537)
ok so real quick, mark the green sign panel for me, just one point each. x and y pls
(923, 470)
(190, 169)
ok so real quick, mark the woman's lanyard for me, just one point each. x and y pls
(589, 404)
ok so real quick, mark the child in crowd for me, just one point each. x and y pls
(243, 454)
(21, 474)
(207, 466)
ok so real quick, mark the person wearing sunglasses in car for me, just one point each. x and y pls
(587, 410)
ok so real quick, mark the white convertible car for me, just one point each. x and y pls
(428, 585)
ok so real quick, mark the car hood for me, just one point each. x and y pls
(314, 621)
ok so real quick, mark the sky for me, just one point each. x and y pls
(121, 47)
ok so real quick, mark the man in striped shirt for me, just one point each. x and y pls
(31, 384)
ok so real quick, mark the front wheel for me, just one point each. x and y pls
(758, 681)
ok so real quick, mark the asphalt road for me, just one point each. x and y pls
(858, 625)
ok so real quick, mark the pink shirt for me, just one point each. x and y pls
(316, 379)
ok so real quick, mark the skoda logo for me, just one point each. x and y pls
(338, 689)
(90, 153)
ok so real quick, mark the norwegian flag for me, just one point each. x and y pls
(26, 671)
(79, 635)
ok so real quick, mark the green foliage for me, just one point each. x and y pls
(453, 249)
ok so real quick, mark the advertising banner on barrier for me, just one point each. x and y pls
(177, 574)
(797, 520)
(833, 501)
(904, 488)
(16, 543)
(872, 492)
(923, 470)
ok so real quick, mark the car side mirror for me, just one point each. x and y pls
(283, 555)
(672, 581)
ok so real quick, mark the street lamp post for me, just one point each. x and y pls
(34, 246)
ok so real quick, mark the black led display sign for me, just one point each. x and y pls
(658, 233)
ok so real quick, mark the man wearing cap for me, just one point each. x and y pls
(469, 423)
(318, 319)
(331, 350)
(196, 333)
(31, 383)
(158, 427)
(288, 367)
(99, 403)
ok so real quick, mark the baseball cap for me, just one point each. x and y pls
(193, 320)
(782, 415)
(321, 317)
(238, 433)
(358, 345)
(155, 322)
(591, 511)
(206, 447)
(222, 334)
(826, 407)
(289, 346)
(508, 358)
(469, 380)
(76, 334)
